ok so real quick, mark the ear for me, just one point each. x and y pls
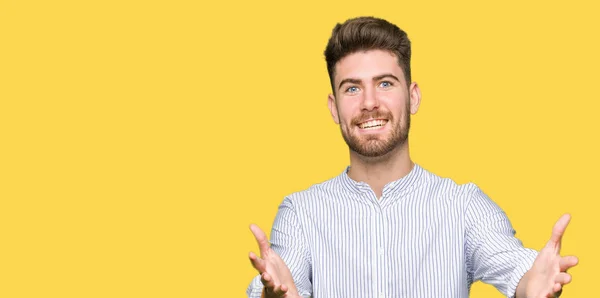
(333, 108)
(415, 97)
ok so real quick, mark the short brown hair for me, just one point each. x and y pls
(363, 34)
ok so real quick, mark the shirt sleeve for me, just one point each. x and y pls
(493, 254)
(288, 241)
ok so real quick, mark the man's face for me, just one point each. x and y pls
(373, 102)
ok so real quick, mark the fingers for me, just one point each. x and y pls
(281, 291)
(271, 288)
(558, 231)
(261, 238)
(267, 281)
(284, 289)
(556, 291)
(567, 262)
(563, 278)
(258, 263)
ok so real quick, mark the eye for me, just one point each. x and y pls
(386, 84)
(352, 89)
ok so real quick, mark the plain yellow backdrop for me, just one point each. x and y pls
(139, 139)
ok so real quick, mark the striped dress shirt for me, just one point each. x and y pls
(425, 237)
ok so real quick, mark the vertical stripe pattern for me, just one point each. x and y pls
(425, 237)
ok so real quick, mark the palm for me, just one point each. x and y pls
(275, 275)
(548, 274)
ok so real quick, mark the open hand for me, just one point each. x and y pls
(548, 274)
(275, 275)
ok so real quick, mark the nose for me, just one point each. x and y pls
(370, 100)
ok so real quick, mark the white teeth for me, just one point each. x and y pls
(372, 124)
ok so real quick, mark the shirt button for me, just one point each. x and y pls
(381, 295)
(381, 253)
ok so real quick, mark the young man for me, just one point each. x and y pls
(386, 227)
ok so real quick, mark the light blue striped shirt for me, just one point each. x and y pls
(426, 237)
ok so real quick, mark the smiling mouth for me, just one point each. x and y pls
(372, 124)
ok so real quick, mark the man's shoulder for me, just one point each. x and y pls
(327, 189)
(449, 188)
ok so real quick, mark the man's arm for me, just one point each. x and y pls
(493, 254)
(496, 257)
(284, 266)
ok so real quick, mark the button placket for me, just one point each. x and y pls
(375, 264)
(379, 248)
(382, 240)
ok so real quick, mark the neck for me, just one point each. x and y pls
(379, 171)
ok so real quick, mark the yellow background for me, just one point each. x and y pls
(139, 139)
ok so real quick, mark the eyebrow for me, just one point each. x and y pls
(377, 78)
(348, 80)
(386, 75)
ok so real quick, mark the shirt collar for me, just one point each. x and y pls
(400, 186)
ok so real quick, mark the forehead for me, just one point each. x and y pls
(365, 65)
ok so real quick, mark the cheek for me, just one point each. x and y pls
(347, 112)
(396, 104)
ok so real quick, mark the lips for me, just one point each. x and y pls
(372, 123)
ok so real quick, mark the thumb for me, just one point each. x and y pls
(558, 231)
(261, 238)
